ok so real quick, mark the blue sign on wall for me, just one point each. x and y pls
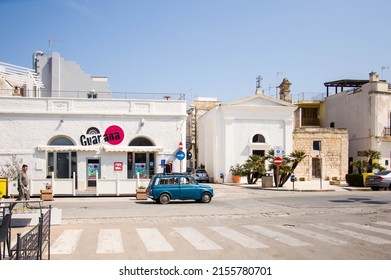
(180, 155)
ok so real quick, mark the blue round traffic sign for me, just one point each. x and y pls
(180, 155)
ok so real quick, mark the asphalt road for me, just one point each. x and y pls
(240, 223)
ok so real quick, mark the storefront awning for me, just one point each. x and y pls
(68, 148)
(141, 149)
(122, 149)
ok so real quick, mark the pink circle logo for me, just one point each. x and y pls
(114, 135)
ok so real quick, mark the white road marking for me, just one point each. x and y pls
(109, 241)
(197, 239)
(238, 237)
(66, 243)
(286, 239)
(369, 228)
(153, 240)
(315, 235)
(383, 223)
(361, 236)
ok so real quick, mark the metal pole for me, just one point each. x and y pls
(320, 163)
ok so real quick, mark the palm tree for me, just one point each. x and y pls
(372, 155)
(295, 158)
(288, 165)
(254, 167)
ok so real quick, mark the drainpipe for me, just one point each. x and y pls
(35, 55)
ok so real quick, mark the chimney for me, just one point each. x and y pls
(373, 77)
(285, 90)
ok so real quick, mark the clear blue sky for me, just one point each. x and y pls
(213, 48)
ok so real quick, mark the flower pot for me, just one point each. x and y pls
(141, 194)
(46, 195)
(236, 178)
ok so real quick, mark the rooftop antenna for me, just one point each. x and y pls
(258, 83)
(382, 70)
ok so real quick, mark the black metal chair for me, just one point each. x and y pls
(5, 235)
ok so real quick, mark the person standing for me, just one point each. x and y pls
(23, 185)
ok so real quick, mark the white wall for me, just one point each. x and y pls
(364, 113)
(225, 132)
(28, 123)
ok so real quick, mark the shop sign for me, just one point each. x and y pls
(113, 135)
(118, 166)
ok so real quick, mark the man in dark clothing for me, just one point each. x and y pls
(23, 183)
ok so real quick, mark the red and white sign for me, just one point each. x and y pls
(180, 146)
(277, 161)
(118, 166)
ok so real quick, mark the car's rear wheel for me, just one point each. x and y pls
(206, 197)
(164, 198)
(375, 188)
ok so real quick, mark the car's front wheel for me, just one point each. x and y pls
(206, 197)
(164, 198)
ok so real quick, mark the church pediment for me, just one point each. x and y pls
(260, 100)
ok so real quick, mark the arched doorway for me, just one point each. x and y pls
(141, 161)
(62, 163)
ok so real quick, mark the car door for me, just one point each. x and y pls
(189, 188)
(173, 188)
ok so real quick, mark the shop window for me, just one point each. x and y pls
(141, 163)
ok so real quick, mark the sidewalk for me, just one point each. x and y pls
(305, 186)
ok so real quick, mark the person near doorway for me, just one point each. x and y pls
(23, 185)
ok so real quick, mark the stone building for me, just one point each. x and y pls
(326, 147)
(327, 152)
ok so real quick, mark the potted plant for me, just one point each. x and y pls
(237, 172)
(47, 193)
(141, 193)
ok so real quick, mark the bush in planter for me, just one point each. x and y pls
(237, 171)
(141, 193)
(355, 180)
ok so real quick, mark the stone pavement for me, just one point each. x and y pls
(305, 186)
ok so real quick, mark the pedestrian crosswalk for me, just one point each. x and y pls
(218, 237)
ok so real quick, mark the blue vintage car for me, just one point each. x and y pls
(164, 187)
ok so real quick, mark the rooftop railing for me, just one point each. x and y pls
(93, 94)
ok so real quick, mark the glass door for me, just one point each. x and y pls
(93, 167)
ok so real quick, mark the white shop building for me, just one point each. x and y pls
(83, 144)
